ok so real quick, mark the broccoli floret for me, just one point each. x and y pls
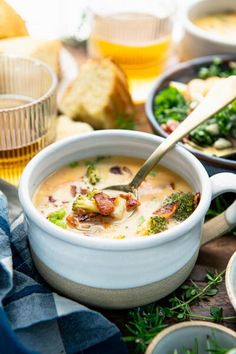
(186, 204)
(57, 218)
(92, 173)
(86, 202)
(153, 225)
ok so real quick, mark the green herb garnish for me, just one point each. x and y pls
(101, 158)
(186, 204)
(146, 321)
(152, 173)
(125, 122)
(156, 224)
(92, 173)
(141, 220)
(74, 164)
(170, 104)
(217, 69)
(226, 123)
(57, 218)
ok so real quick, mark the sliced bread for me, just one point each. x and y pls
(99, 95)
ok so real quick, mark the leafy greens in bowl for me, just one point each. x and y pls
(177, 93)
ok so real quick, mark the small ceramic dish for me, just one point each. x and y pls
(120, 273)
(187, 334)
(230, 279)
(184, 72)
(197, 42)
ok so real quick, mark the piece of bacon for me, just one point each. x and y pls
(170, 126)
(51, 199)
(196, 199)
(104, 204)
(72, 220)
(73, 190)
(80, 215)
(131, 202)
(127, 170)
(116, 170)
(89, 217)
(167, 211)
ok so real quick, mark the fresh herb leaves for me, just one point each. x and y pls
(186, 204)
(92, 173)
(146, 322)
(225, 121)
(217, 69)
(73, 164)
(125, 122)
(170, 104)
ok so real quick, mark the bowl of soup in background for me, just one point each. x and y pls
(201, 20)
(122, 273)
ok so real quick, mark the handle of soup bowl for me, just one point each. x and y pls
(216, 227)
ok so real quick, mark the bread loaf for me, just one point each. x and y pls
(67, 127)
(47, 51)
(99, 95)
(11, 24)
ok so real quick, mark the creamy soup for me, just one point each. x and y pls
(220, 24)
(73, 198)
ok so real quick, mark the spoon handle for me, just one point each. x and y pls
(220, 95)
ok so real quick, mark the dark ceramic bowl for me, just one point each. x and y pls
(184, 72)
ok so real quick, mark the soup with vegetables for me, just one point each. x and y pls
(74, 198)
(172, 104)
(220, 24)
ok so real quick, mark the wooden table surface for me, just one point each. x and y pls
(213, 256)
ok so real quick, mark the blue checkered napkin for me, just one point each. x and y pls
(33, 319)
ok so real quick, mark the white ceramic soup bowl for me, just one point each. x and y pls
(120, 273)
(197, 41)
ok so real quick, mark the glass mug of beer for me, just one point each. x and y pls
(137, 35)
(27, 112)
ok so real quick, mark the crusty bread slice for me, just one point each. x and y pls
(46, 50)
(67, 127)
(11, 24)
(98, 95)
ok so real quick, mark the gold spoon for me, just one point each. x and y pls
(219, 96)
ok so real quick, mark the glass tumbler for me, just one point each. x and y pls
(27, 112)
(137, 34)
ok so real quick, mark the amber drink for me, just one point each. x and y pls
(140, 42)
(27, 113)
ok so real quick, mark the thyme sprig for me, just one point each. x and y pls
(145, 322)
